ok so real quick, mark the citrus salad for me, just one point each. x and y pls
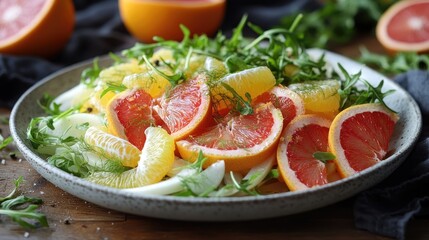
(216, 117)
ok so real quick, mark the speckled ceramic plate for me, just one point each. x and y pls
(219, 209)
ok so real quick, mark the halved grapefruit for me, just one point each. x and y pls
(359, 136)
(404, 27)
(242, 141)
(301, 139)
(36, 27)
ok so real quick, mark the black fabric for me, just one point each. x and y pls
(388, 208)
(385, 209)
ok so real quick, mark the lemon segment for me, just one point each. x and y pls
(320, 97)
(152, 82)
(116, 73)
(254, 82)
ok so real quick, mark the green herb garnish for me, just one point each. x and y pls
(399, 63)
(26, 217)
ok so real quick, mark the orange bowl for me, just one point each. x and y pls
(145, 19)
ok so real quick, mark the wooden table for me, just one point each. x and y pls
(73, 218)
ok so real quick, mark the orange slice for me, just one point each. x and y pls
(359, 137)
(289, 102)
(129, 114)
(253, 81)
(405, 27)
(155, 161)
(36, 27)
(148, 18)
(186, 109)
(242, 141)
(301, 139)
(112, 147)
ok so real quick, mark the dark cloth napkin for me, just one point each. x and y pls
(385, 209)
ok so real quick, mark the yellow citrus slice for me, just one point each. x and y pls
(215, 68)
(359, 137)
(301, 139)
(36, 27)
(150, 81)
(254, 82)
(155, 161)
(242, 141)
(320, 97)
(112, 146)
(116, 73)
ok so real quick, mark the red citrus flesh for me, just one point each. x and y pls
(135, 114)
(242, 141)
(289, 103)
(365, 138)
(306, 135)
(186, 108)
(14, 16)
(410, 24)
(237, 131)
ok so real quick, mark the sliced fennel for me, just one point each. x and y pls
(234, 183)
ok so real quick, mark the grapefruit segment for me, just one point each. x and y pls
(242, 141)
(289, 102)
(129, 114)
(185, 109)
(301, 139)
(359, 137)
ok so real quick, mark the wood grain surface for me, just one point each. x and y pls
(73, 218)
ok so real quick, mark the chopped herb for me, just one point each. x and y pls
(4, 142)
(90, 75)
(49, 106)
(337, 21)
(396, 64)
(244, 107)
(324, 156)
(351, 95)
(113, 88)
(26, 217)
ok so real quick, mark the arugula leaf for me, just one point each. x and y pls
(23, 216)
(90, 74)
(350, 94)
(337, 21)
(48, 105)
(396, 64)
(4, 142)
